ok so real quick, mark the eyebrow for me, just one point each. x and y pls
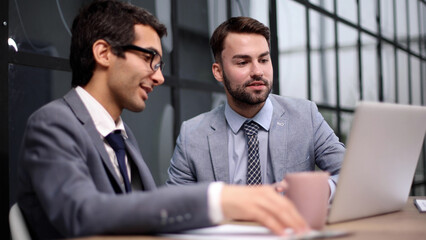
(154, 50)
(248, 56)
(150, 48)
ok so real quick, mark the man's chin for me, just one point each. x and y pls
(253, 101)
(256, 102)
(258, 99)
(138, 108)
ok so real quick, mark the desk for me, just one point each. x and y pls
(405, 224)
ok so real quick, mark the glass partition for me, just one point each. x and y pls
(369, 68)
(348, 66)
(323, 59)
(292, 49)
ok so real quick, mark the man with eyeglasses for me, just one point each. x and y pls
(81, 172)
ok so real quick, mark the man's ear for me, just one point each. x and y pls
(217, 71)
(102, 52)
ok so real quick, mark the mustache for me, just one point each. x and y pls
(256, 79)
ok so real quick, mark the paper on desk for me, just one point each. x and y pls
(240, 232)
(420, 204)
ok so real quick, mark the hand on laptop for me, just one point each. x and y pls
(263, 205)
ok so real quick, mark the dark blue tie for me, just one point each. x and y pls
(116, 141)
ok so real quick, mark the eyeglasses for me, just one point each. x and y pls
(156, 59)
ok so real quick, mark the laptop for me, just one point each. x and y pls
(381, 157)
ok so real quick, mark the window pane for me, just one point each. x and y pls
(347, 9)
(195, 59)
(326, 4)
(387, 18)
(401, 23)
(402, 77)
(415, 81)
(345, 125)
(414, 26)
(388, 66)
(259, 9)
(217, 13)
(323, 61)
(292, 48)
(291, 26)
(369, 68)
(423, 81)
(368, 14)
(348, 66)
(422, 10)
(293, 75)
(323, 69)
(322, 31)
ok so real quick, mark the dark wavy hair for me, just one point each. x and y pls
(112, 21)
(236, 25)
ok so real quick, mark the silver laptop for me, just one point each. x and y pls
(380, 160)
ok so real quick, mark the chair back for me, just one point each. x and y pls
(18, 226)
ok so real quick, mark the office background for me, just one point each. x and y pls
(334, 52)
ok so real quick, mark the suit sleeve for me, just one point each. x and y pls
(180, 171)
(328, 150)
(59, 171)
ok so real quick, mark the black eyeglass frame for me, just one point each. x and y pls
(155, 67)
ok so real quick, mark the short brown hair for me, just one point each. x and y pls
(112, 21)
(236, 25)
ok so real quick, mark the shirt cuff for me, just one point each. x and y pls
(214, 202)
(332, 189)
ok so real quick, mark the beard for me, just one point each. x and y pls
(239, 94)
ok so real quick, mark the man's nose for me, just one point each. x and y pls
(256, 71)
(158, 77)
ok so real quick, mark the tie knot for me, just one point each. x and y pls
(115, 140)
(251, 128)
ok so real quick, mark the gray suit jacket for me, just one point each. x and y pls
(68, 186)
(299, 139)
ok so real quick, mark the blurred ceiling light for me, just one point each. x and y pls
(12, 43)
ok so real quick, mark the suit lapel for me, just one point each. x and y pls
(147, 180)
(80, 111)
(218, 144)
(278, 140)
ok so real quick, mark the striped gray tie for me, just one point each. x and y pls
(253, 165)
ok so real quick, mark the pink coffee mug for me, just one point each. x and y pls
(309, 192)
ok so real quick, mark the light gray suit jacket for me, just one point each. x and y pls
(299, 139)
(68, 186)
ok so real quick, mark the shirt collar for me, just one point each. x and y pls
(100, 116)
(263, 117)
